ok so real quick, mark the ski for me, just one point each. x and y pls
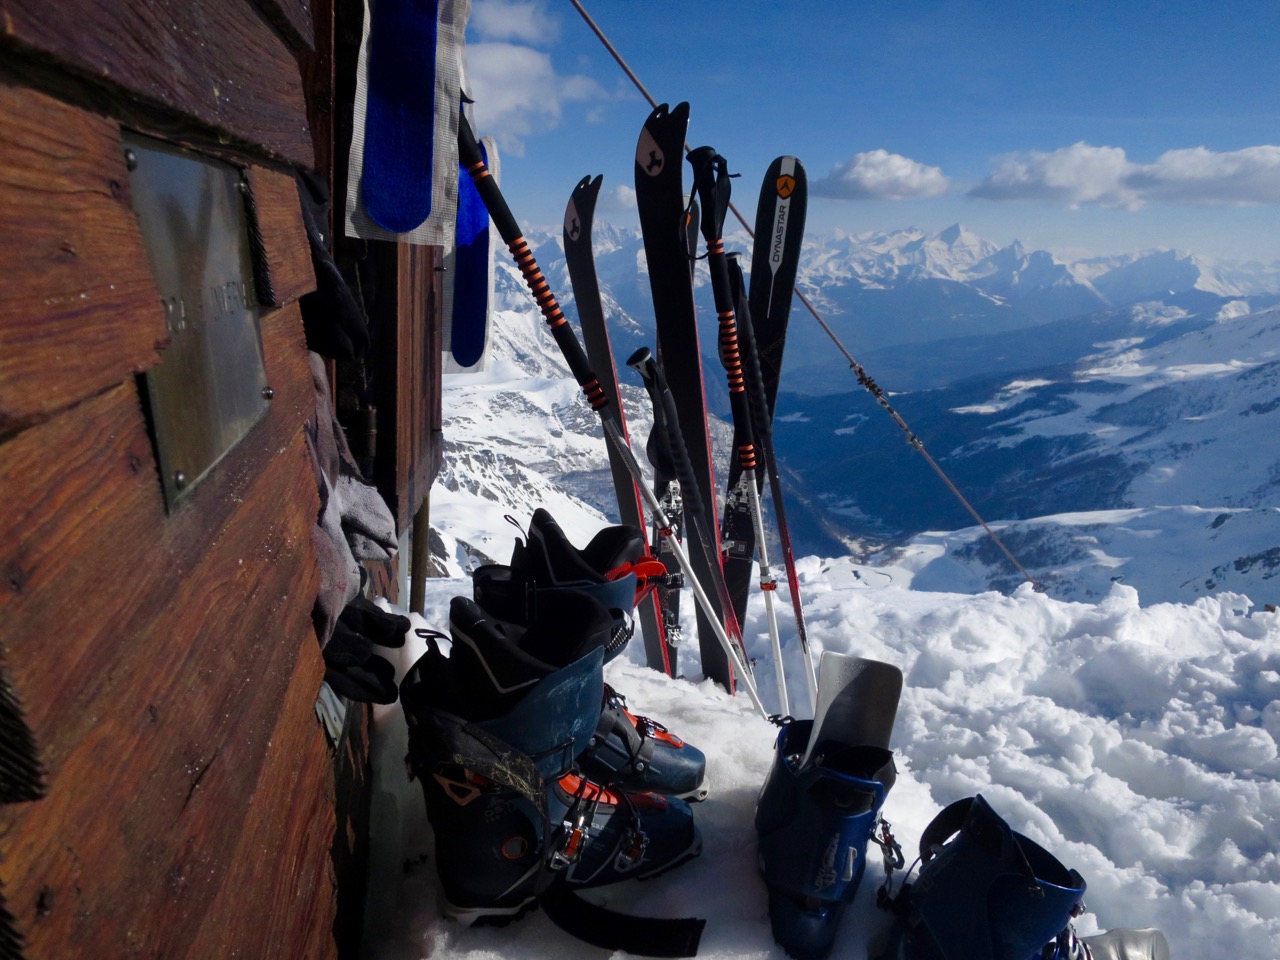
(579, 215)
(762, 322)
(580, 367)
(775, 257)
(660, 199)
(472, 281)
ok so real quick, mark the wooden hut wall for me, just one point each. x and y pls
(165, 786)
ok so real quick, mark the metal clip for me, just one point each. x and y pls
(573, 838)
(632, 850)
(889, 847)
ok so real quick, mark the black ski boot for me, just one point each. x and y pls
(515, 823)
(613, 568)
(625, 752)
(814, 819)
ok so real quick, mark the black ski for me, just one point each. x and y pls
(660, 653)
(660, 198)
(775, 257)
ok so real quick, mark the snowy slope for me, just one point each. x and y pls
(1137, 744)
(1179, 432)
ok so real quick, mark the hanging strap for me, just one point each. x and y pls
(609, 930)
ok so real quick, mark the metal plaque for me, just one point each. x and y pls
(210, 386)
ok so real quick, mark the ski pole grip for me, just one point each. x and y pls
(643, 362)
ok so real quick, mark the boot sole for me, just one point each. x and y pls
(487, 916)
(697, 795)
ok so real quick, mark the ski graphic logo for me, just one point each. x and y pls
(572, 223)
(779, 235)
(459, 791)
(649, 156)
(826, 875)
(785, 186)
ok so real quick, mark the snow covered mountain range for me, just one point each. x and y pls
(910, 287)
(1131, 443)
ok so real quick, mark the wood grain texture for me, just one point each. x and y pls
(163, 699)
(284, 237)
(293, 19)
(153, 799)
(409, 443)
(287, 833)
(79, 310)
(95, 525)
(217, 62)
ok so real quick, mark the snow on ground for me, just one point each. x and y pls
(1166, 553)
(1139, 744)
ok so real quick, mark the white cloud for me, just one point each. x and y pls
(1197, 175)
(880, 175)
(620, 199)
(525, 22)
(1083, 174)
(517, 91)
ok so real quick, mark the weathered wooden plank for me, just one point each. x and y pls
(93, 525)
(291, 820)
(79, 309)
(293, 19)
(415, 368)
(218, 61)
(152, 800)
(284, 237)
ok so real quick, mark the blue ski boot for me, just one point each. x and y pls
(814, 819)
(625, 752)
(984, 892)
(515, 824)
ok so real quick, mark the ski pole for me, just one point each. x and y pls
(643, 362)
(764, 439)
(711, 180)
(509, 230)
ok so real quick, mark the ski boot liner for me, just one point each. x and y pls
(615, 568)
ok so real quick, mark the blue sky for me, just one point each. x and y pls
(1083, 127)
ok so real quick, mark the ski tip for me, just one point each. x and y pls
(580, 210)
(589, 184)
